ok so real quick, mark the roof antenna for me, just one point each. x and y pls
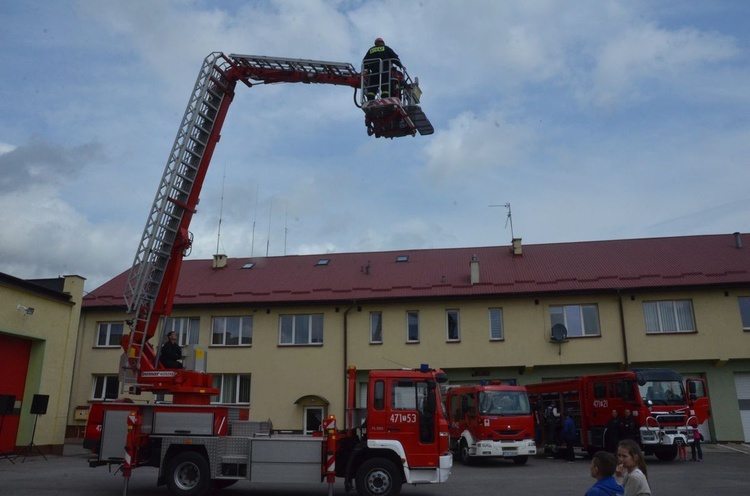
(221, 209)
(255, 218)
(508, 219)
(268, 240)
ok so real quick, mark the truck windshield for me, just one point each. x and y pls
(503, 403)
(662, 393)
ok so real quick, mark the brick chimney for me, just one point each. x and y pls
(517, 248)
(474, 269)
(220, 261)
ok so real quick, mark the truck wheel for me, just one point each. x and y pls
(188, 474)
(378, 477)
(520, 460)
(463, 453)
(666, 454)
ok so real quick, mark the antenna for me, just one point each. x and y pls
(268, 240)
(286, 224)
(508, 219)
(221, 209)
(255, 217)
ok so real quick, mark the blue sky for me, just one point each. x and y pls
(594, 119)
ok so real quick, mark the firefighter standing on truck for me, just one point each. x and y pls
(378, 63)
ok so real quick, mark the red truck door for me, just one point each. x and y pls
(410, 416)
(698, 399)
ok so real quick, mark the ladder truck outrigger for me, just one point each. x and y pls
(402, 435)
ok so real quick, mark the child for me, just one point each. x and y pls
(681, 451)
(696, 446)
(603, 466)
(631, 471)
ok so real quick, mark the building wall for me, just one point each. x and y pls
(52, 331)
(281, 375)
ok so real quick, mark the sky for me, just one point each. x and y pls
(593, 120)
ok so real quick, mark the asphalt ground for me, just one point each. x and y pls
(725, 471)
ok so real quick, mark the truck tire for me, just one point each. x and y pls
(666, 453)
(463, 453)
(520, 460)
(378, 477)
(188, 474)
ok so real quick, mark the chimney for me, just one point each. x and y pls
(737, 240)
(474, 269)
(220, 261)
(517, 249)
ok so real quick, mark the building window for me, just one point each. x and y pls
(496, 324)
(106, 387)
(669, 316)
(579, 320)
(187, 329)
(376, 327)
(745, 312)
(232, 331)
(452, 323)
(233, 388)
(412, 327)
(109, 334)
(301, 329)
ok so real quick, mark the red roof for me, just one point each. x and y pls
(595, 266)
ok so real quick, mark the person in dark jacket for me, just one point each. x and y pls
(603, 465)
(379, 65)
(569, 436)
(171, 352)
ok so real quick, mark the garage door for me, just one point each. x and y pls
(13, 367)
(742, 384)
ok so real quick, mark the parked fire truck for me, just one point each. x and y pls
(197, 444)
(665, 408)
(490, 420)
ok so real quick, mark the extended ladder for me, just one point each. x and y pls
(170, 205)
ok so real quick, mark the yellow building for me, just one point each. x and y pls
(38, 334)
(280, 331)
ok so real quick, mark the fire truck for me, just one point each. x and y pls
(490, 420)
(664, 407)
(402, 437)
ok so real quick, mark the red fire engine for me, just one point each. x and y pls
(665, 408)
(491, 420)
(197, 444)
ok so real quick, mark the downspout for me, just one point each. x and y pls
(346, 356)
(622, 331)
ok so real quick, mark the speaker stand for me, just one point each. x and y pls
(3, 454)
(31, 447)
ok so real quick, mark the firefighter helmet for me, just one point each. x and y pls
(379, 41)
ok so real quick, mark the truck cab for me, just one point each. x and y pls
(491, 420)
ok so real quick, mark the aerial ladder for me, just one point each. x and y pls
(152, 281)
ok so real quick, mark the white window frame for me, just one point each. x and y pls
(744, 303)
(187, 329)
(306, 429)
(376, 327)
(412, 318)
(498, 319)
(666, 316)
(108, 334)
(574, 319)
(305, 330)
(102, 383)
(244, 326)
(452, 320)
(231, 389)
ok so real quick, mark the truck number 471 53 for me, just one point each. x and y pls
(404, 418)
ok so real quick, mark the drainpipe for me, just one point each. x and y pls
(622, 331)
(346, 355)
